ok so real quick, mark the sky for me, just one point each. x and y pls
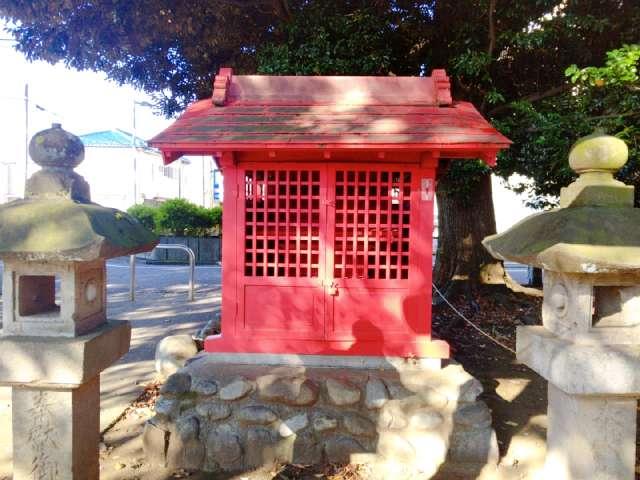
(82, 102)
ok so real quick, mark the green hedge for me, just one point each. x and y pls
(179, 217)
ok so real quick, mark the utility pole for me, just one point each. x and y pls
(204, 197)
(135, 152)
(135, 157)
(26, 133)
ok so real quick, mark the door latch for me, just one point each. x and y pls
(333, 289)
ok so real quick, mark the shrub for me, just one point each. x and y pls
(181, 217)
(145, 214)
(178, 217)
(216, 215)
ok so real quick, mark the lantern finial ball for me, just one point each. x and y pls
(56, 148)
(598, 152)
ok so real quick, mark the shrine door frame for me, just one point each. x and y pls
(397, 309)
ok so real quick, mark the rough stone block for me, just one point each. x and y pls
(154, 442)
(292, 425)
(473, 415)
(340, 448)
(426, 419)
(188, 427)
(204, 387)
(323, 422)
(183, 449)
(294, 391)
(173, 352)
(431, 451)
(259, 442)
(342, 393)
(392, 416)
(236, 389)
(266, 449)
(359, 425)
(193, 455)
(457, 385)
(395, 447)
(435, 399)
(213, 411)
(224, 448)
(176, 384)
(306, 449)
(167, 407)
(479, 446)
(256, 414)
(376, 394)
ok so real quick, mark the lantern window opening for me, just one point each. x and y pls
(39, 295)
(607, 306)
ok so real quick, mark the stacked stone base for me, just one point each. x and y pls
(403, 421)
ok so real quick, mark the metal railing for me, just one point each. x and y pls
(165, 246)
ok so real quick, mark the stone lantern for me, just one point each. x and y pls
(588, 347)
(56, 337)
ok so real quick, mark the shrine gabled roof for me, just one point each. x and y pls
(254, 112)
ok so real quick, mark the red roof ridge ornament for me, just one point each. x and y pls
(221, 84)
(443, 86)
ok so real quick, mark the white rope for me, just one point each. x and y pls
(497, 342)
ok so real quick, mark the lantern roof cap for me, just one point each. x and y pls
(598, 152)
(263, 112)
(55, 147)
(57, 220)
(595, 230)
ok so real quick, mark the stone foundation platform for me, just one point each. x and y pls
(405, 418)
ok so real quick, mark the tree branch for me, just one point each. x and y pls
(614, 115)
(534, 97)
(283, 9)
(492, 27)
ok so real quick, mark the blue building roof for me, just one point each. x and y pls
(113, 139)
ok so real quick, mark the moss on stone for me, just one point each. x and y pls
(60, 229)
(603, 237)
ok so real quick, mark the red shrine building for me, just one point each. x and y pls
(329, 189)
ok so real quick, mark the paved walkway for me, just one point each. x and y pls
(161, 308)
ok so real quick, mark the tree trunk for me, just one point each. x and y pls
(463, 221)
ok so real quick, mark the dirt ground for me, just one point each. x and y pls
(515, 394)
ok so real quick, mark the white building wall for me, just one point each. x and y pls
(197, 179)
(110, 174)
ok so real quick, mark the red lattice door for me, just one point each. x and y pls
(284, 217)
(370, 233)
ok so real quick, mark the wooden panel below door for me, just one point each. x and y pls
(365, 314)
(284, 311)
